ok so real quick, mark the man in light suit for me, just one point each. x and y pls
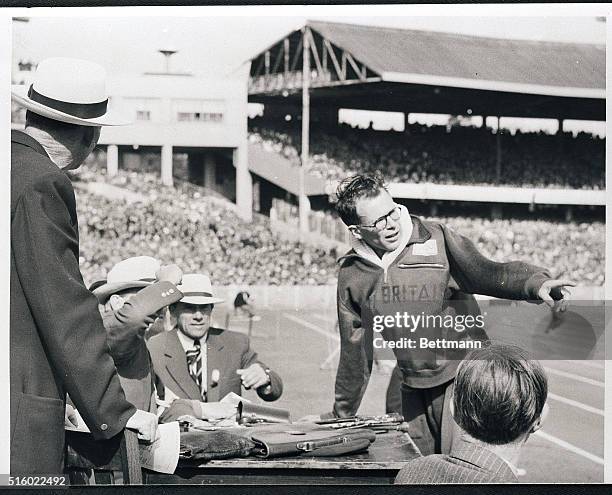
(198, 362)
(499, 400)
(57, 340)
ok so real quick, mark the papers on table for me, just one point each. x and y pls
(163, 454)
(233, 398)
(81, 426)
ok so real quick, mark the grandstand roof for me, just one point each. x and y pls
(446, 59)
(379, 68)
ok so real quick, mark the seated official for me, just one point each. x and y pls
(198, 362)
(498, 401)
(136, 289)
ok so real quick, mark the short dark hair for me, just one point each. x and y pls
(499, 393)
(354, 188)
(40, 122)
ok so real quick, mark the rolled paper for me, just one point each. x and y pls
(255, 413)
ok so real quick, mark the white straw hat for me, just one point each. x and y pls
(197, 289)
(135, 272)
(69, 90)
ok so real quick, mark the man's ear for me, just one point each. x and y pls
(170, 320)
(356, 231)
(540, 421)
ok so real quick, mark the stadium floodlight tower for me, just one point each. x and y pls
(167, 53)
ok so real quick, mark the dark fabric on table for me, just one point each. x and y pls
(218, 444)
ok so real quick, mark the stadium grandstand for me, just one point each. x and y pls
(450, 167)
(498, 188)
(201, 230)
(201, 181)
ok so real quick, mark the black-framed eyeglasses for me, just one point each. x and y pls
(382, 222)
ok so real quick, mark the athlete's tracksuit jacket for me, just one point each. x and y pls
(419, 278)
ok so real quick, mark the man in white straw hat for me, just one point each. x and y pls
(135, 290)
(57, 339)
(198, 362)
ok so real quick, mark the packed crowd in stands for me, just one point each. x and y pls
(186, 226)
(459, 155)
(197, 232)
(568, 249)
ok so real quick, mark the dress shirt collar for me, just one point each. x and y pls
(189, 343)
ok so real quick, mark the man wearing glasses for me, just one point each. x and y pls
(401, 267)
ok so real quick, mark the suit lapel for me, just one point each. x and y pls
(176, 364)
(214, 345)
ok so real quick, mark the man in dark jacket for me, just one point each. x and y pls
(198, 362)
(57, 340)
(401, 265)
(499, 401)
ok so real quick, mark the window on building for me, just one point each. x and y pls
(199, 116)
(145, 109)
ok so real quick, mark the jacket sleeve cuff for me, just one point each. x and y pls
(104, 431)
(533, 284)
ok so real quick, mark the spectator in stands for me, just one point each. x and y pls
(198, 362)
(401, 264)
(498, 402)
(438, 154)
(243, 304)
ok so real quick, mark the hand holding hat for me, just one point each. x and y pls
(135, 272)
(169, 273)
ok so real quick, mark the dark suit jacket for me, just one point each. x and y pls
(226, 351)
(57, 340)
(467, 463)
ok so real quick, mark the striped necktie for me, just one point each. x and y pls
(194, 365)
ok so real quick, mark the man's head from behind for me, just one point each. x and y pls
(68, 145)
(66, 105)
(368, 210)
(500, 394)
(192, 314)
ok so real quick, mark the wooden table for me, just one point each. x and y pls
(379, 465)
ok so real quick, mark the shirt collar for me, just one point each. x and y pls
(187, 342)
(27, 140)
(465, 449)
(366, 252)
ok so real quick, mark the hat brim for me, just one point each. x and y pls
(110, 118)
(105, 291)
(201, 300)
